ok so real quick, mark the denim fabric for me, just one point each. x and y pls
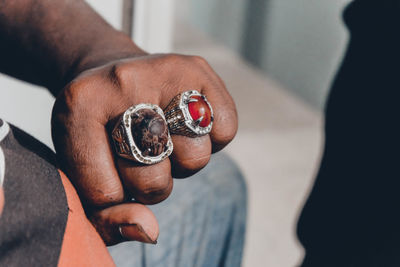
(202, 223)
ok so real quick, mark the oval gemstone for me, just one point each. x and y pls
(150, 132)
(200, 109)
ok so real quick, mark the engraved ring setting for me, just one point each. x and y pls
(142, 135)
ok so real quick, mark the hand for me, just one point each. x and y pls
(85, 113)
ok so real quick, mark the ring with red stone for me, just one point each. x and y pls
(142, 135)
(189, 114)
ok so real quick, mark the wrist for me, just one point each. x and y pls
(100, 51)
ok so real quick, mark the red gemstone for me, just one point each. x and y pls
(200, 109)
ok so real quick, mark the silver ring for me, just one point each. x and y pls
(189, 114)
(142, 135)
(120, 232)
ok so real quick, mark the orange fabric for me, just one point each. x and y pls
(82, 245)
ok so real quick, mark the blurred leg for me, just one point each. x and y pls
(201, 224)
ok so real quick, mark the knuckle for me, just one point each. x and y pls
(226, 137)
(199, 60)
(102, 199)
(184, 60)
(119, 74)
(195, 164)
(188, 167)
(228, 118)
(174, 58)
(76, 96)
(159, 185)
(155, 190)
(72, 101)
(172, 63)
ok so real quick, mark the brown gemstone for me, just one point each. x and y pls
(200, 109)
(150, 132)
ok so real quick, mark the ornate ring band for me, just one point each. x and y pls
(141, 135)
(189, 114)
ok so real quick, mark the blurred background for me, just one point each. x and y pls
(277, 58)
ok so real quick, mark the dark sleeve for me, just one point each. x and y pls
(352, 217)
(35, 212)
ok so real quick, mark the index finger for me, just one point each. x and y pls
(84, 150)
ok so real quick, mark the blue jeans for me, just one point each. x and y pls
(202, 223)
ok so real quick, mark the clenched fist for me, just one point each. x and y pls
(86, 111)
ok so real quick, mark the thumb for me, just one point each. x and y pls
(126, 222)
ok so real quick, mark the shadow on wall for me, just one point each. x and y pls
(253, 36)
(297, 42)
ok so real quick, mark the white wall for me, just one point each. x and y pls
(153, 25)
(110, 10)
(304, 45)
(298, 42)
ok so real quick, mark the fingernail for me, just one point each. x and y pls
(137, 233)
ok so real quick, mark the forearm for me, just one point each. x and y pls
(47, 42)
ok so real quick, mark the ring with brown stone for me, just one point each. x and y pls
(141, 135)
(189, 114)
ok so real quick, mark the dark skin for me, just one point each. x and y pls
(96, 73)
